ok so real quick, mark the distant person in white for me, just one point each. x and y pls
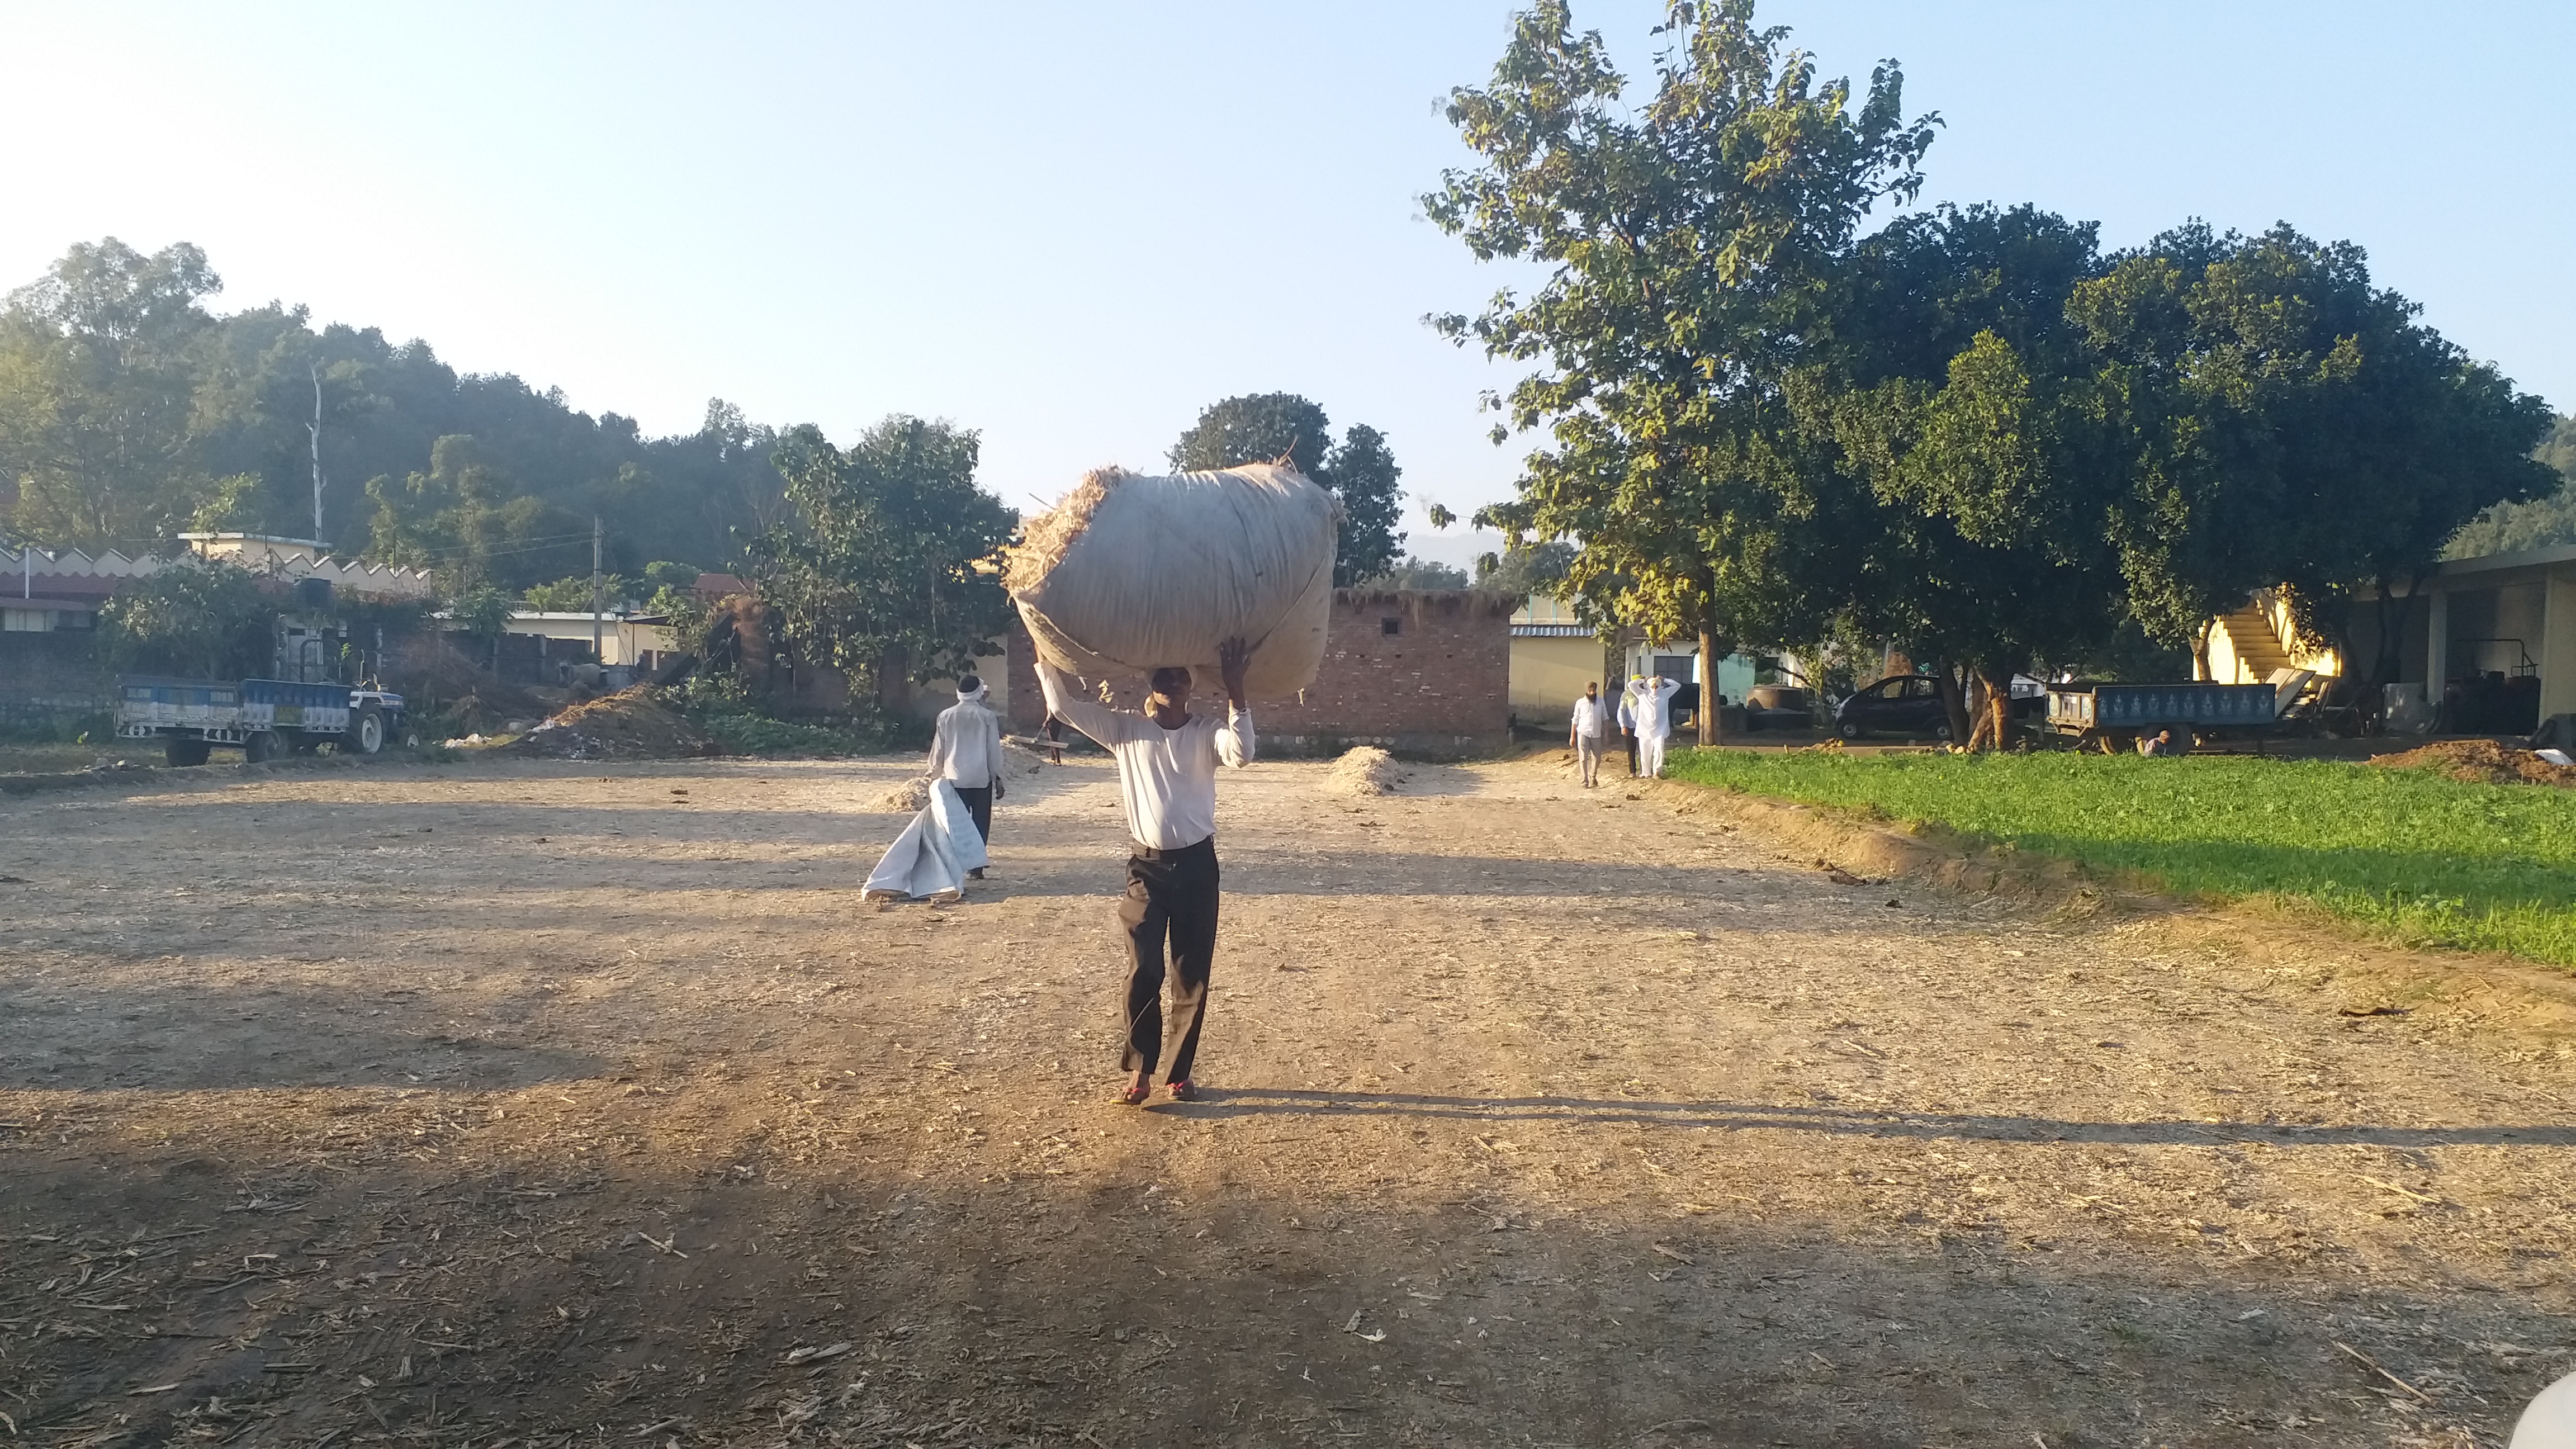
(1591, 726)
(1628, 720)
(1653, 707)
(1167, 759)
(966, 751)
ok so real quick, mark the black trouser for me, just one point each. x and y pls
(979, 808)
(1170, 894)
(1632, 751)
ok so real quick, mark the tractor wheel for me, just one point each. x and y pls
(366, 731)
(259, 746)
(185, 750)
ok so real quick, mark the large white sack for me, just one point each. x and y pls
(1131, 573)
(932, 855)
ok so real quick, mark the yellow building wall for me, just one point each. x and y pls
(1547, 675)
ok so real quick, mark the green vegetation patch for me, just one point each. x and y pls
(752, 734)
(2406, 853)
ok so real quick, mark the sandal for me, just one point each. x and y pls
(1136, 1094)
(1182, 1091)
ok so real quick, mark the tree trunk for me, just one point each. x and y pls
(1947, 681)
(1994, 721)
(2200, 649)
(2395, 613)
(1711, 728)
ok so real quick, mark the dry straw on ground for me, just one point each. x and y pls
(908, 797)
(1366, 770)
(628, 725)
(2482, 762)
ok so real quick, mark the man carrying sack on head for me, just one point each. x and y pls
(966, 751)
(1167, 759)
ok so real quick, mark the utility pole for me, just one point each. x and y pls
(595, 656)
(316, 430)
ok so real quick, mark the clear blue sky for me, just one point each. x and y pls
(1072, 226)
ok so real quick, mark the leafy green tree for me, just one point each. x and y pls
(483, 612)
(885, 567)
(1689, 236)
(98, 360)
(1419, 573)
(193, 619)
(1532, 568)
(2541, 523)
(1360, 470)
(1960, 395)
(573, 595)
(2294, 424)
(128, 411)
(1265, 427)
(1362, 473)
(464, 520)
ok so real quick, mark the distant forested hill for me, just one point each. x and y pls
(130, 412)
(2541, 523)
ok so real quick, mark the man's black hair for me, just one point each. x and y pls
(969, 683)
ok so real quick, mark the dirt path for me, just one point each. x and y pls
(544, 1104)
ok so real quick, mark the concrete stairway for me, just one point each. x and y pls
(2258, 649)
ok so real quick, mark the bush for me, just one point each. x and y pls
(720, 705)
(572, 595)
(195, 619)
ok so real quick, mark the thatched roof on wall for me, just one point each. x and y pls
(1483, 603)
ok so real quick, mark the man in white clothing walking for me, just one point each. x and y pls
(966, 751)
(1591, 725)
(1167, 759)
(1653, 707)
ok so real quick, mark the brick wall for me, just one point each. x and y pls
(1438, 684)
(54, 669)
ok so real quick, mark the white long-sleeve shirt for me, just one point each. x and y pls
(1652, 705)
(966, 746)
(1166, 777)
(1590, 717)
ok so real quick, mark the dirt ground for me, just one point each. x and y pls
(539, 1103)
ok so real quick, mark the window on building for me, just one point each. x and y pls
(26, 621)
(1390, 626)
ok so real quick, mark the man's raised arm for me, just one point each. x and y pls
(1103, 724)
(1234, 743)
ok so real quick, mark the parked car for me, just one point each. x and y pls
(1909, 704)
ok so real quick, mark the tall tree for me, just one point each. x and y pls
(128, 411)
(1957, 391)
(877, 570)
(1362, 473)
(1689, 240)
(98, 364)
(1360, 470)
(465, 521)
(2299, 425)
(2540, 523)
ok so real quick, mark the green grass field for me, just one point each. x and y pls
(2408, 854)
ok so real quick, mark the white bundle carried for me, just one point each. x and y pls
(1132, 573)
(930, 859)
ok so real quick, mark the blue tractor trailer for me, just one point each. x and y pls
(263, 718)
